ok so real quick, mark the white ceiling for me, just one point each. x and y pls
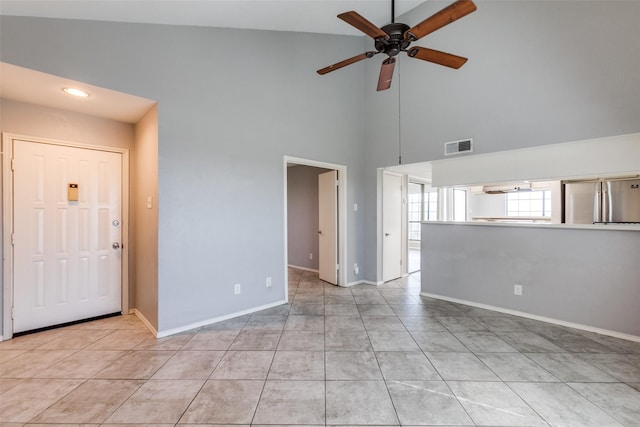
(309, 16)
(34, 87)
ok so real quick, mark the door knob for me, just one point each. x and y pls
(116, 245)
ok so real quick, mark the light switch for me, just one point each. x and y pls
(72, 193)
(149, 202)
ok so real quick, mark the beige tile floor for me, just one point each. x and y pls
(334, 356)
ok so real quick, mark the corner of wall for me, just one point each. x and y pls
(144, 216)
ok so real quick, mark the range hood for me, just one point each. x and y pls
(513, 187)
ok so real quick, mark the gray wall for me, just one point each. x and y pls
(539, 72)
(231, 104)
(37, 121)
(144, 236)
(588, 277)
(302, 215)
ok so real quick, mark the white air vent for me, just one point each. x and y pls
(458, 147)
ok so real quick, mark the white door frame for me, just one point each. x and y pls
(342, 215)
(7, 219)
(403, 222)
(379, 224)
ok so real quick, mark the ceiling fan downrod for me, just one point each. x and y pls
(393, 11)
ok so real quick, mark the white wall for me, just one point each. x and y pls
(615, 155)
(486, 205)
(226, 118)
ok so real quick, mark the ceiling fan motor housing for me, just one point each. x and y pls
(396, 42)
(397, 37)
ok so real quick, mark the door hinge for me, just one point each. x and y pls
(13, 238)
(12, 167)
(337, 266)
(337, 183)
(13, 313)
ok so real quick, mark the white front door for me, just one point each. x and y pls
(391, 226)
(328, 226)
(67, 249)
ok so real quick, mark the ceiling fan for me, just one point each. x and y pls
(395, 37)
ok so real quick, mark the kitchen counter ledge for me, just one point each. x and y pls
(606, 227)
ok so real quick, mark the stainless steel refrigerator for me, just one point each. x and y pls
(602, 201)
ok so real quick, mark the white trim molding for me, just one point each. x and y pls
(145, 322)
(211, 321)
(342, 214)
(297, 267)
(581, 327)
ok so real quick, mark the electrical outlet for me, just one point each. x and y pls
(356, 270)
(310, 255)
(268, 282)
(517, 290)
(236, 289)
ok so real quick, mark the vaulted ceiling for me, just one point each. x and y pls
(309, 16)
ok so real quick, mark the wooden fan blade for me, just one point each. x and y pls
(437, 57)
(346, 62)
(362, 24)
(451, 13)
(386, 74)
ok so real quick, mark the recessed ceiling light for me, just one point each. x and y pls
(75, 92)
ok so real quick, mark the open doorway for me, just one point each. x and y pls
(422, 206)
(415, 211)
(315, 225)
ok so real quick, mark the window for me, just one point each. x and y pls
(423, 206)
(415, 210)
(431, 205)
(459, 205)
(529, 203)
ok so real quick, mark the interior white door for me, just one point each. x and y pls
(328, 226)
(67, 254)
(391, 226)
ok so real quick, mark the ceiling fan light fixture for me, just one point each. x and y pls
(396, 37)
(75, 92)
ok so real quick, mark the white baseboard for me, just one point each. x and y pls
(297, 267)
(551, 320)
(144, 321)
(196, 325)
(357, 282)
(363, 282)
